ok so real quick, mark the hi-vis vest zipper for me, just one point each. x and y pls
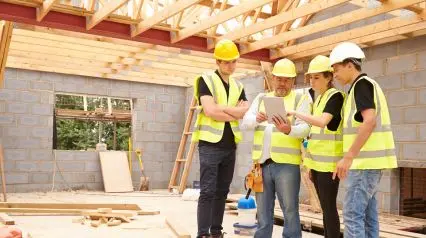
(208, 129)
(284, 148)
(325, 147)
(379, 150)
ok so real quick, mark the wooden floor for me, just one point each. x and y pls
(390, 225)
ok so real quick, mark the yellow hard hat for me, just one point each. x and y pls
(319, 64)
(284, 68)
(226, 50)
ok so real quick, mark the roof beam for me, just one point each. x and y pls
(218, 19)
(6, 35)
(362, 35)
(340, 20)
(208, 3)
(44, 9)
(104, 12)
(162, 15)
(282, 18)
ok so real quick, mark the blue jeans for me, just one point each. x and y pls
(284, 180)
(360, 206)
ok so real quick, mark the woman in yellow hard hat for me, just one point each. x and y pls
(325, 145)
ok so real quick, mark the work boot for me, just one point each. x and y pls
(221, 235)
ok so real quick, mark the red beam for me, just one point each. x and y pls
(64, 21)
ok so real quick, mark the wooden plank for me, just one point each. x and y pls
(115, 171)
(162, 15)
(6, 219)
(104, 12)
(4, 47)
(3, 177)
(44, 9)
(218, 19)
(177, 229)
(370, 33)
(340, 20)
(81, 206)
(282, 18)
(108, 214)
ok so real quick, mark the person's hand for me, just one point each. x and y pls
(281, 125)
(343, 167)
(291, 113)
(240, 103)
(261, 117)
(10, 232)
(310, 175)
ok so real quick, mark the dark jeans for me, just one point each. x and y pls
(216, 172)
(327, 189)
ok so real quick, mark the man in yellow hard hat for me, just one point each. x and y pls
(277, 147)
(368, 144)
(223, 103)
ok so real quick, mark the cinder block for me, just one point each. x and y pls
(46, 166)
(164, 117)
(41, 154)
(16, 178)
(28, 120)
(81, 177)
(414, 151)
(52, 77)
(7, 119)
(40, 178)
(374, 68)
(93, 166)
(404, 132)
(382, 51)
(174, 90)
(415, 114)
(16, 84)
(2, 107)
(145, 116)
(154, 106)
(154, 147)
(397, 115)
(400, 64)
(7, 95)
(42, 109)
(163, 98)
(67, 87)
(42, 85)
(402, 98)
(64, 155)
(422, 96)
(120, 85)
(71, 166)
(153, 166)
(17, 107)
(178, 99)
(422, 60)
(42, 132)
(153, 126)
(412, 45)
(422, 132)
(390, 82)
(10, 74)
(119, 93)
(46, 97)
(162, 137)
(86, 155)
(173, 108)
(173, 127)
(15, 131)
(9, 166)
(15, 154)
(171, 147)
(176, 137)
(29, 143)
(142, 136)
(30, 75)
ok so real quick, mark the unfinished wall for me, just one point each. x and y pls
(26, 130)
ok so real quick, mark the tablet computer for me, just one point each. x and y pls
(274, 106)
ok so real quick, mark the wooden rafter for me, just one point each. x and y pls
(44, 9)
(137, 10)
(218, 5)
(303, 23)
(218, 19)
(222, 8)
(282, 18)
(362, 35)
(340, 20)
(164, 14)
(104, 12)
(6, 35)
(283, 7)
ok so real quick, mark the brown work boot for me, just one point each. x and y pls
(221, 235)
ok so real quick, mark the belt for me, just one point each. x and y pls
(268, 161)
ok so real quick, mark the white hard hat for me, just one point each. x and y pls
(344, 51)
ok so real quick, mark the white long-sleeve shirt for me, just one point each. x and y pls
(300, 129)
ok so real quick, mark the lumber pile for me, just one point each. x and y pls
(390, 225)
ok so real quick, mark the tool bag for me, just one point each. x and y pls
(253, 180)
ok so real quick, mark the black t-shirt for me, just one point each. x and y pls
(228, 139)
(334, 107)
(364, 96)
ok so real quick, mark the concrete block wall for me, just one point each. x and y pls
(26, 130)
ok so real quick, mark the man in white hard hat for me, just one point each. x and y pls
(368, 143)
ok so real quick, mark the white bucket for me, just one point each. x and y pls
(247, 217)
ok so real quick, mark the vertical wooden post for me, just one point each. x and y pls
(3, 179)
(6, 29)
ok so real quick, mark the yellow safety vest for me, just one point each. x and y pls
(283, 148)
(325, 147)
(208, 129)
(379, 150)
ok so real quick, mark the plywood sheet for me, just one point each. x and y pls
(115, 171)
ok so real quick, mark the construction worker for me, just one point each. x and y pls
(368, 143)
(325, 144)
(277, 147)
(223, 103)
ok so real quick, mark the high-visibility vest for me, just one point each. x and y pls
(283, 148)
(379, 150)
(325, 147)
(206, 128)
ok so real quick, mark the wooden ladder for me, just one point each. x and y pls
(180, 185)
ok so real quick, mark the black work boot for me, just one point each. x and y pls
(221, 235)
